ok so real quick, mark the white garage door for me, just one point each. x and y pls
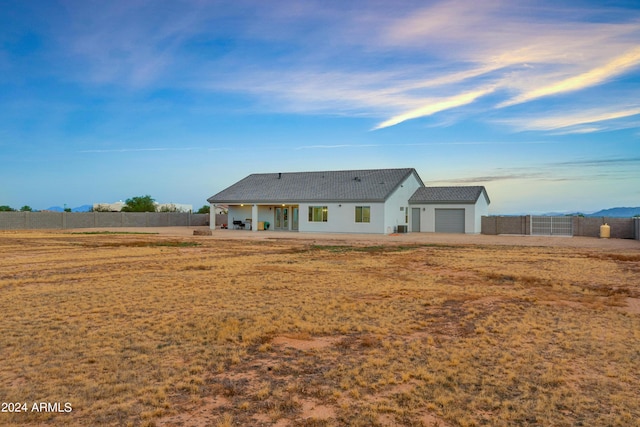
(449, 220)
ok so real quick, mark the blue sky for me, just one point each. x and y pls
(538, 101)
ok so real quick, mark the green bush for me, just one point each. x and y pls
(139, 204)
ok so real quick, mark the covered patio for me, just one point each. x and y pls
(264, 216)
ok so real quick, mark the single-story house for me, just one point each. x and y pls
(349, 201)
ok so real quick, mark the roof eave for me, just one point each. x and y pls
(486, 196)
(441, 202)
(294, 202)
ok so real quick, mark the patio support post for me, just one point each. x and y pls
(212, 216)
(254, 217)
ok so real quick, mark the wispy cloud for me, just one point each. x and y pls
(595, 76)
(577, 121)
(572, 170)
(133, 43)
(485, 179)
(318, 57)
(434, 107)
(419, 144)
(599, 162)
(580, 130)
(523, 53)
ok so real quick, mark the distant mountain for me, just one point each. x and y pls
(611, 212)
(559, 214)
(83, 208)
(617, 212)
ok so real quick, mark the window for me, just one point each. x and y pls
(363, 214)
(318, 213)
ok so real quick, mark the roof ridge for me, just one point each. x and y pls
(334, 171)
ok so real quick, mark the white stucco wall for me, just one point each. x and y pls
(481, 209)
(266, 215)
(341, 218)
(238, 213)
(400, 198)
(428, 216)
(472, 215)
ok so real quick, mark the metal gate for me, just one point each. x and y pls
(551, 226)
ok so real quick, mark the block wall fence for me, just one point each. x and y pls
(64, 220)
(621, 228)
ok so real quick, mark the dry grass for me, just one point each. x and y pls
(147, 330)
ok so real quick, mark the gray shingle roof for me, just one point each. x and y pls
(330, 186)
(469, 194)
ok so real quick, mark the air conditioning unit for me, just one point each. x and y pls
(402, 229)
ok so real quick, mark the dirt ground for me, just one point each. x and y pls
(408, 238)
(170, 329)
